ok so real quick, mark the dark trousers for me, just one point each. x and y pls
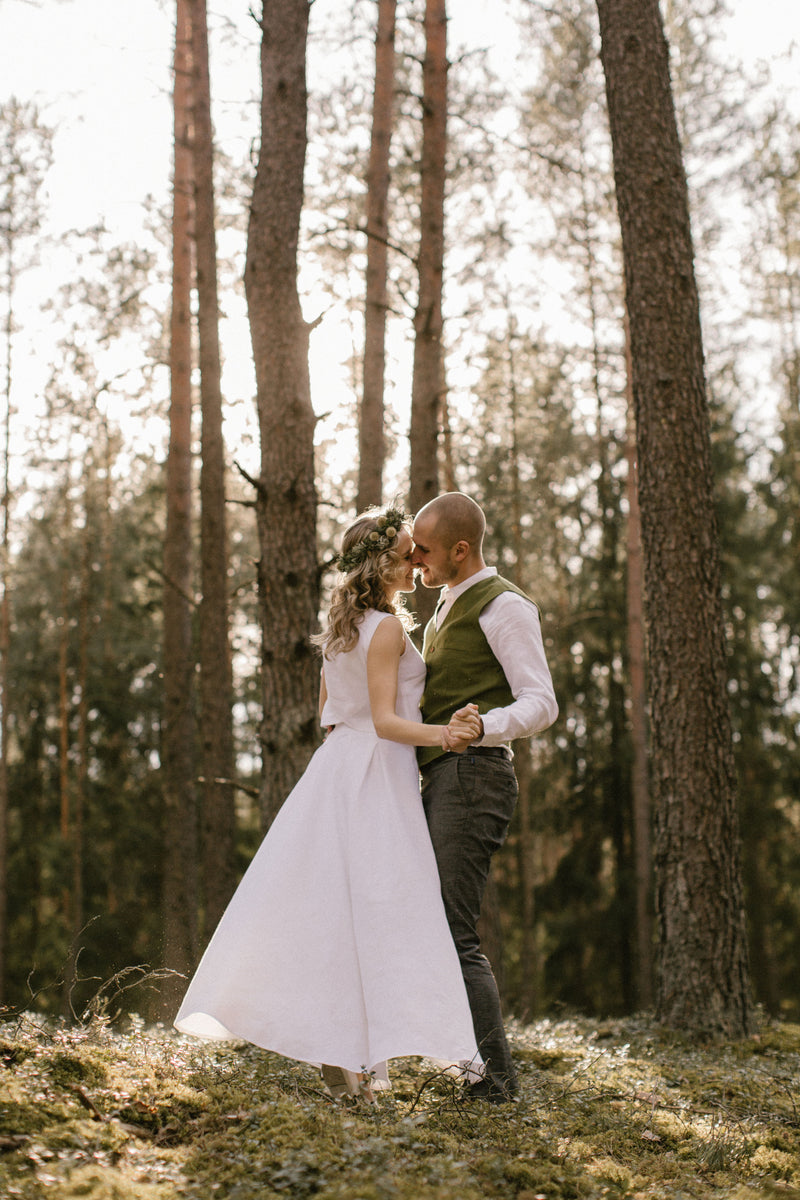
(468, 800)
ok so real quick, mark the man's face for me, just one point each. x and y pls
(431, 558)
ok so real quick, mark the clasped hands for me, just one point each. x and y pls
(465, 727)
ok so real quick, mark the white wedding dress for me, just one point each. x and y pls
(335, 947)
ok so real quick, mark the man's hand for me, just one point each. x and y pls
(464, 728)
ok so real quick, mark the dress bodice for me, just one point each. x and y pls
(347, 700)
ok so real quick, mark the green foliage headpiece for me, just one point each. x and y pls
(388, 528)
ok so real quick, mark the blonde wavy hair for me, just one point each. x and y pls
(364, 586)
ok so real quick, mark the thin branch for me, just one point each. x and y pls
(353, 227)
(254, 483)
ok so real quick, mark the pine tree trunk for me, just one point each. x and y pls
(23, 169)
(640, 783)
(448, 465)
(5, 635)
(703, 983)
(614, 786)
(428, 372)
(529, 969)
(78, 814)
(216, 686)
(288, 578)
(64, 782)
(5, 624)
(179, 897)
(371, 440)
(758, 874)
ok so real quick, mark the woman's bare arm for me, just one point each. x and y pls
(383, 663)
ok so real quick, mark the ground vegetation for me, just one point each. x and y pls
(621, 1110)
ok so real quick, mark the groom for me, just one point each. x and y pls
(483, 646)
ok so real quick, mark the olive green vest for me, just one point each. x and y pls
(461, 668)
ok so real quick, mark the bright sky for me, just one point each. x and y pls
(100, 72)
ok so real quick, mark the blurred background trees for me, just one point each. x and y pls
(531, 418)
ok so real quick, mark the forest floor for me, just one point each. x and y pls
(615, 1109)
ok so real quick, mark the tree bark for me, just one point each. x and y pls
(81, 772)
(64, 781)
(427, 385)
(5, 638)
(178, 734)
(288, 578)
(27, 154)
(614, 790)
(529, 970)
(703, 983)
(371, 439)
(216, 685)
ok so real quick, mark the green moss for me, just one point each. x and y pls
(548, 1060)
(606, 1112)
(70, 1069)
(783, 1038)
(12, 1053)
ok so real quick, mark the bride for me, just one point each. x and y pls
(335, 948)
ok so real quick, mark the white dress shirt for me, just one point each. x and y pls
(511, 626)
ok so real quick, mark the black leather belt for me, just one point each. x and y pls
(490, 751)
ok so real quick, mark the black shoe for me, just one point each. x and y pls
(491, 1093)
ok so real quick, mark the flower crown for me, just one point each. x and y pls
(389, 525)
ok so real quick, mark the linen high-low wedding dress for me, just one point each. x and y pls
(335, 947)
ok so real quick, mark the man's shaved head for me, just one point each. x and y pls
(454, 517)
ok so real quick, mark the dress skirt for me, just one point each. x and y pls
(335, 947)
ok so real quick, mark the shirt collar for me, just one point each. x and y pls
(451, 594)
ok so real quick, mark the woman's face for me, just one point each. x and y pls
(405, 575)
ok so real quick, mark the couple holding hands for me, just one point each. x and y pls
(352, 936)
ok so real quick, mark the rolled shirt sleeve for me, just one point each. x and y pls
(512, 628)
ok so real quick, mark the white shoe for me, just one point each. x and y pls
(341, 1083)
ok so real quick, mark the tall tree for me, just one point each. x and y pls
(25, 158)
(102, 304)
(285, 491)
(179, 733)
(216, 686)
(427, 385)
(371, 438)
(527, 428)
(771, 857)
(113, 822)
(569, 165)
(526, 842)
(703, 980)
